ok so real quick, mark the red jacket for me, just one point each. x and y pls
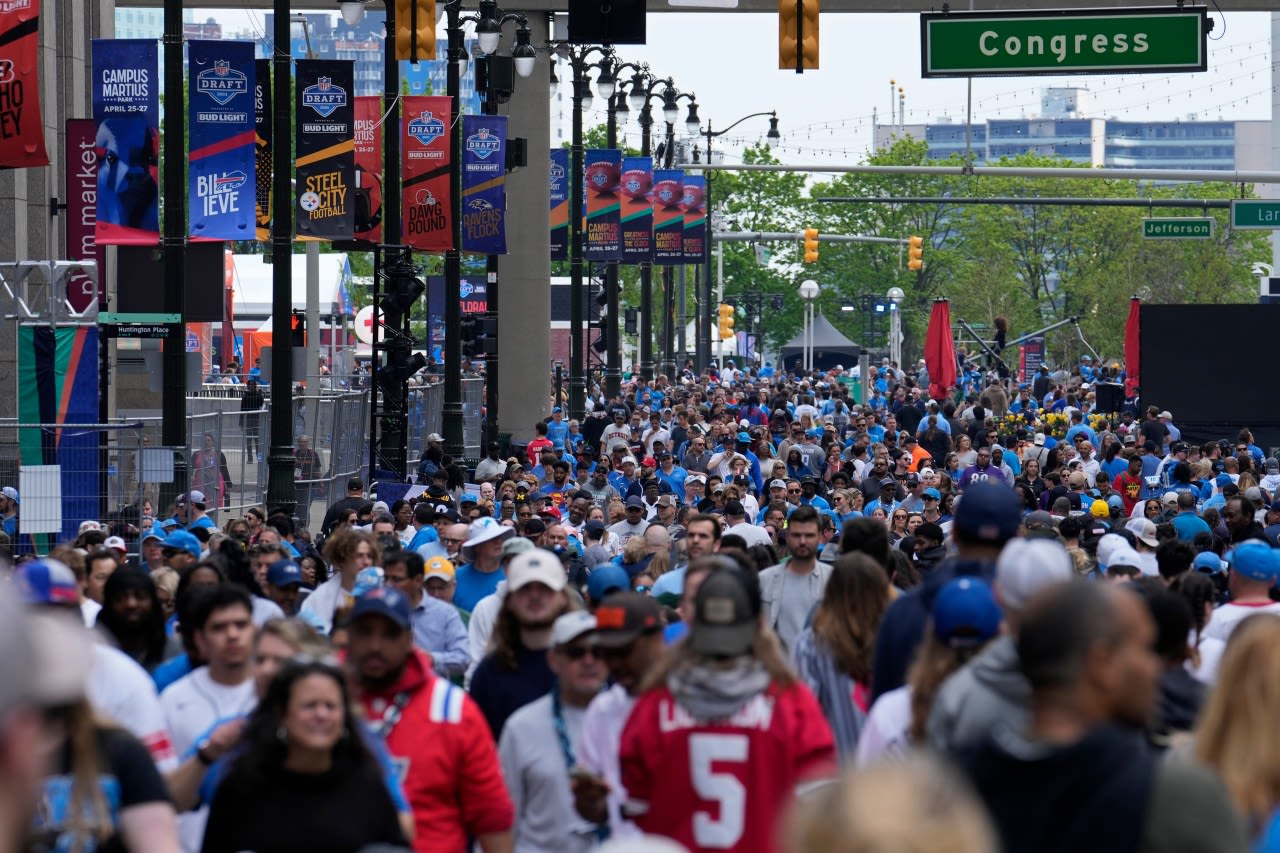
(448, 765)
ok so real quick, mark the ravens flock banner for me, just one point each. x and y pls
(668, 217)
(368, 189)
(484, 193)
(559, 204)
(427, 154)
(694, 203)
(637, 210)
(262, 146)
(126, 108)
(21, 131)
(220, 109)
(326, 160)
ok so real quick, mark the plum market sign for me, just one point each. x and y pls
(1092, 41)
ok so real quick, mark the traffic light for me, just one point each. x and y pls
(915, 253)
(398, 369)
(811, 245)
(726, 321)
(298, 330)
(798, 35)
(403, 289)
(416, 30)
(469, 331)
(631, 321)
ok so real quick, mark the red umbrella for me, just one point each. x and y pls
(1132, 341)
(940, 351)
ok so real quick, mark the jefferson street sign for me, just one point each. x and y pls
(1256, 214)
(1095, 41)
(1178, 228)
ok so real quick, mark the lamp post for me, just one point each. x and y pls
(668, 364)
(809, 291)
(173, 400)
(895, 296)
(670, 112)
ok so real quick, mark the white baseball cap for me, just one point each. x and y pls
(536, 566)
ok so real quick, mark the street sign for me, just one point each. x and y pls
(132, 317)
(1255, 214)
(135, 330)
(1094, 41)
(1178, 228)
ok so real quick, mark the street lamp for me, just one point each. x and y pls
(671, 114)
(352, 11)
(809, 291)
(895, 296)
(642, 100)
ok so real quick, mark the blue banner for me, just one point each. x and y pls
(221, 118)
(126, 108)
(559, 204)
(694, 203)
(637, 209)
(484, 190)
(668, 217)
(602, 181)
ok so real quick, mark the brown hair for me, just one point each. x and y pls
(505, 643)
(342, 543)
(934, 663)
(849, 613)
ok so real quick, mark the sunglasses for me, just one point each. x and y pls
(580, 652)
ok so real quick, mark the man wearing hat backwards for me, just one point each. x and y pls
(718, 743)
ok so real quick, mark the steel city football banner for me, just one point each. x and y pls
(262, 146)
(426, 152)
(82, 210)
(126, 107)
(694, 203)
(220, 116)
(368, 189)
(326, 156)
(602, 178)
(559, 204)
(21, 131)
(637, 209)
(668, 217)
(484, 190)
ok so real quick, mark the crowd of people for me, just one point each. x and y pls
(741, 612)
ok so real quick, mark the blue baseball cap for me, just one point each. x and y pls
(932, 493)
(1208, 562)
(1255, 560)
(987, 513)
(385, 602)
(605, 579)
(744, 438)
(181, 540)
(965, 613)
(46, 582)
(284, 573)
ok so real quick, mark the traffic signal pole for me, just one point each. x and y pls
(173, 401)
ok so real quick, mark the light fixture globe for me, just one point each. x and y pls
(773, 135)
(692, 123)
(488, 34)
(524, 54)
(809, 290)
(606, 85)
(352, 11)
(637, 95)
(896, 295)
(670, 112)
(587, 99)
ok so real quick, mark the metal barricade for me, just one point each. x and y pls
(472, 417)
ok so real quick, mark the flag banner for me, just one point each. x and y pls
(368, 187)
(82, 211)
(21, 131)
(694, 203)
(426, 150)
(559, 204)
(637, 209)
(126, 108)
(262, 146)
(1030, 357)
(484, 189)
(668, 217)
(326, 155)
(602, 178)
(220, 118)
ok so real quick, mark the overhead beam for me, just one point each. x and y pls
(1081, 174)
(1033, 201)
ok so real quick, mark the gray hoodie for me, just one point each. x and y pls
(989, 689)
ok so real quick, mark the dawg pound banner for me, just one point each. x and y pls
(126, 107)
(484, 191)
(326, 155)
(220, 111)
(21, 131)
(426, 153)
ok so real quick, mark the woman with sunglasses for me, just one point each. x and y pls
(897, 526)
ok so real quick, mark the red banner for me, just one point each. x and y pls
(82, 211)
(425, 143)
(21, 131)
(369, 170)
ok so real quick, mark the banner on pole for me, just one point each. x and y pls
(637, 209)
(220, 118)
(262, 130)
(21, 130)
(602, 178)
(484, 191)
(368, 184)
(126, 108)
(694, 203)
(326, 156)
(82, 211)
(426, 151)
(668, 217)
(559, 204)
(1030, 357)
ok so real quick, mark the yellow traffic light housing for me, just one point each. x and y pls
(798, 35)
(416, 30)
(915, 253)
(726, 321)
(811, 245)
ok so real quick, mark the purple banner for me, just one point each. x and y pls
(559, 218)
(602, 179)
(484, 191)
(220, 180)
(637, 209)
(82, 212)
(126, 106)
(668, 217)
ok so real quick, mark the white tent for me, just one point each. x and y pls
(252, 285)
(718, 347)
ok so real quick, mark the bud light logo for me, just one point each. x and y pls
(483, 143)
(222, 82)
(324, 97)
(426, 128)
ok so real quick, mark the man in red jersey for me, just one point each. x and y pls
(714, 750)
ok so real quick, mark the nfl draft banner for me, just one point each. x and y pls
(559, 204)
(426, 151)
(694, 203)
(369, 170)
(668, 217)
(602, 179)
(484, 191)
(21, 131)
(126, 107)
(262, 146)
(637, 210)
(220, 115)
(326, 155)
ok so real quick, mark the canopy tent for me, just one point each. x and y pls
(830, 347)
(252, 286)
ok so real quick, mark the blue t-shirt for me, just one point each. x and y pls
(474, 585)
(558, 433)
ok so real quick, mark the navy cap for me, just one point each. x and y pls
(383, 601)
(965, 613)
(987, 513)
(635, 501)
(284, 573)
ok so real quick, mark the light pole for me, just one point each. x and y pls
(670, 112)
(173, 399)
(895, 296)
(703, 344)
(809, 291)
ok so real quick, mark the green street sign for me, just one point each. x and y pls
(1255, 214)
(1094, 41)
(105, 317)
(1178, 228)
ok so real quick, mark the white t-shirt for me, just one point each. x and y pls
(120, 690)
(1225, 618)
(1210, 650)
(884, 734)
(90, 609)
(599, 752)
(752, 534)
(614, 435)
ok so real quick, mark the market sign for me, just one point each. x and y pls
(1093, 41)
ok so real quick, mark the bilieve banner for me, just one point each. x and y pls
(126, 108)
(220, 118)
(426, 151)
(324, 171)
